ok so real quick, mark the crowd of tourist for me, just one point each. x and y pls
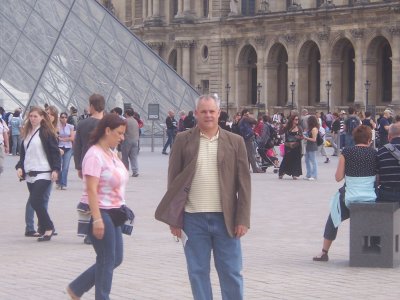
(105, 146)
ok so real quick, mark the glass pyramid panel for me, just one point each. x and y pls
(61, 51)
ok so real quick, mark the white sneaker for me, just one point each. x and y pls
(310, 179)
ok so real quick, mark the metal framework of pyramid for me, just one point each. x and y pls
(61, 51)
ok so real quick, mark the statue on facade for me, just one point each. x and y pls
(264, 7)
(234, 6)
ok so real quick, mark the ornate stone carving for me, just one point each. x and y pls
(393, 30)
(357, 33)
(323, 35)
(234, 8)
(228, 42)
(327, 4)
(291, 38)
(264, 7)
(260, 40)
(155, 45)
(295, 7)
(185, 44)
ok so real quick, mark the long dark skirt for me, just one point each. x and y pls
(291, 162)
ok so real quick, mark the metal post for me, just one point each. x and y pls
(328, 88)
(292, 87)
(152, 136)
(227, 88)
(367, 86)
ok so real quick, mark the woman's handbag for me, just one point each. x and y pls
(120, 215)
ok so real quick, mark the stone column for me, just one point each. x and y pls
(261, 71)
(395, 31)
(325, 75)
(180, 8)
(291, 40)
(224, 68)
(232, 70)
(358, 35)
(185, 47)
(156, 8)
(144, 9)
(150, 8)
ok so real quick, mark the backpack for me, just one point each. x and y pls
(245, 129)
(352, 123)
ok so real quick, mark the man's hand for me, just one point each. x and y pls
(176, 231)
(80, 174)
(240, 230)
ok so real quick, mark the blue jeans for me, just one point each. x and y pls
(65, 160)
(109, 251)
(311, 164)
(207, 232)
(30, 213)
(16, 143)
(171, 137)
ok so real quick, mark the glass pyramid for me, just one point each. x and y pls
(61, 51)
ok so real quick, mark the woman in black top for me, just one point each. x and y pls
(357, 161)
(291, 162)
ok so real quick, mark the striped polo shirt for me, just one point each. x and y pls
(389, 167)
(204, 194)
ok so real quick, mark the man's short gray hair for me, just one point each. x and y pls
(208, 97)
(394, 130)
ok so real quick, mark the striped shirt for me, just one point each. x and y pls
(389, 167)
(204, 194)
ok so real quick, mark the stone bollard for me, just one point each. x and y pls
(374, 235)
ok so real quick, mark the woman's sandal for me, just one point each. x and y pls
(323, 257)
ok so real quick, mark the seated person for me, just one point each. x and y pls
(389, 169)
(357, 165)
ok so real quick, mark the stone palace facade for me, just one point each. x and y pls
(277, 54)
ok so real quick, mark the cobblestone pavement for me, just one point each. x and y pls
(288, 218)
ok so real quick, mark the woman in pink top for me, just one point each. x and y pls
(105, 178)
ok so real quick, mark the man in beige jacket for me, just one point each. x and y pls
(208, 198)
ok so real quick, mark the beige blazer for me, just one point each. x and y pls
(234, 179)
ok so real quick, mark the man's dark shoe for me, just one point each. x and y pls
(135, 174)
(165, 153)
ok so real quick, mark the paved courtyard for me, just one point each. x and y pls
(288, 218)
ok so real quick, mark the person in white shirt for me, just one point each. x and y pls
(39, 164)
(4, 149)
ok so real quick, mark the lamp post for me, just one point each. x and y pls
(292, 87)
(367, 86)
(328, 88)
(227, 88)
(259, 86)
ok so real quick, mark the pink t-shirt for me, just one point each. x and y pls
(112, 175)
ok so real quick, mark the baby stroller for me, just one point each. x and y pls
(268, 158)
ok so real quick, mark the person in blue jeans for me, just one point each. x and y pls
(208, 199)
(311, 148)
(171, 130)
(15, 127)
(105, 178)
(66, 135)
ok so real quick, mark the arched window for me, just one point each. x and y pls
(248, 7)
